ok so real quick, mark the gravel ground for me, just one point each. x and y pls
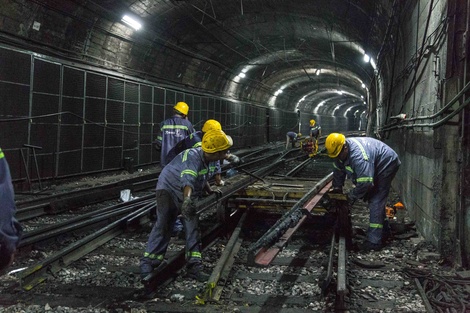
(404, 261)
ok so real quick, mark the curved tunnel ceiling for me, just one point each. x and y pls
(312, 50)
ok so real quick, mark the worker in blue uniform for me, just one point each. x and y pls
(292, 138)
(10, 229)
(371, 165)
(315, 130)
(172, 131)
(194, 140)
(310, 144)
(180, 183)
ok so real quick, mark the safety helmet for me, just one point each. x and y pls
(211, 124)
(182, 107)
(216, 140)
(334, 143)
(299, 135)
(312, 122)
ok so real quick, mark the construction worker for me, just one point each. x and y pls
(315, 133)
(180, 183)
(371, 165)
(194, 140)
(315, 130)
(292, 138)
(172, 131)
(10, 229)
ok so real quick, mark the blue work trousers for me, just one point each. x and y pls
(377, 201)
(160, 235)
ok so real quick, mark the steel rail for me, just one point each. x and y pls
(166, 270)
(38, 273)
(83, 221)
(266, 254)
(223, 264)
(341, 283)
(296, 169)
(259, 253)
(56, 203)
(329, 272)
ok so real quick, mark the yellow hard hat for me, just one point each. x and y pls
(216, 140)
(334, 143)
(211, 124)
(312, 122)
(182, 107)
(299, 134)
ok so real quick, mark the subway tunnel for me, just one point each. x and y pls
(84, 85)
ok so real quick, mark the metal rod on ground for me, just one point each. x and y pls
(341, 275)
(214, 278)
(252, 175)
(422, 293)
(329, 272)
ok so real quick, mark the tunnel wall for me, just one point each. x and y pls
(86, 120)
(428, 140)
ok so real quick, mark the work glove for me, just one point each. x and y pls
(220, 183)
(188, 208)
(232, 158)
(218, 193)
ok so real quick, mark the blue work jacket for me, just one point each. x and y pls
(367, 160)
(173, 130)
(187, 169)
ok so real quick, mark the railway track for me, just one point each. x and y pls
(271, 240)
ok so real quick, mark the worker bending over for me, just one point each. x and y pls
(292, 138)
(180, 183)
(371, 165)
(194, 141)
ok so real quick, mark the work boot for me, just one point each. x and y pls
(196, 271)
(147, 267)
(368, 246)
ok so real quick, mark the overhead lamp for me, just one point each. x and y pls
(242, 75)
(366, 58)
(363, 86)
(318, 72)
(131, 22)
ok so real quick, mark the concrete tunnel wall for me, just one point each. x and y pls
(425, 79)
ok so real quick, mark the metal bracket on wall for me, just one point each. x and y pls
(28, 176)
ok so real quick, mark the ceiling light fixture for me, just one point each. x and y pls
(131, 22)
(366, 58)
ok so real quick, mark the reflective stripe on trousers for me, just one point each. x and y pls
(160, 235)
(377, 204)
